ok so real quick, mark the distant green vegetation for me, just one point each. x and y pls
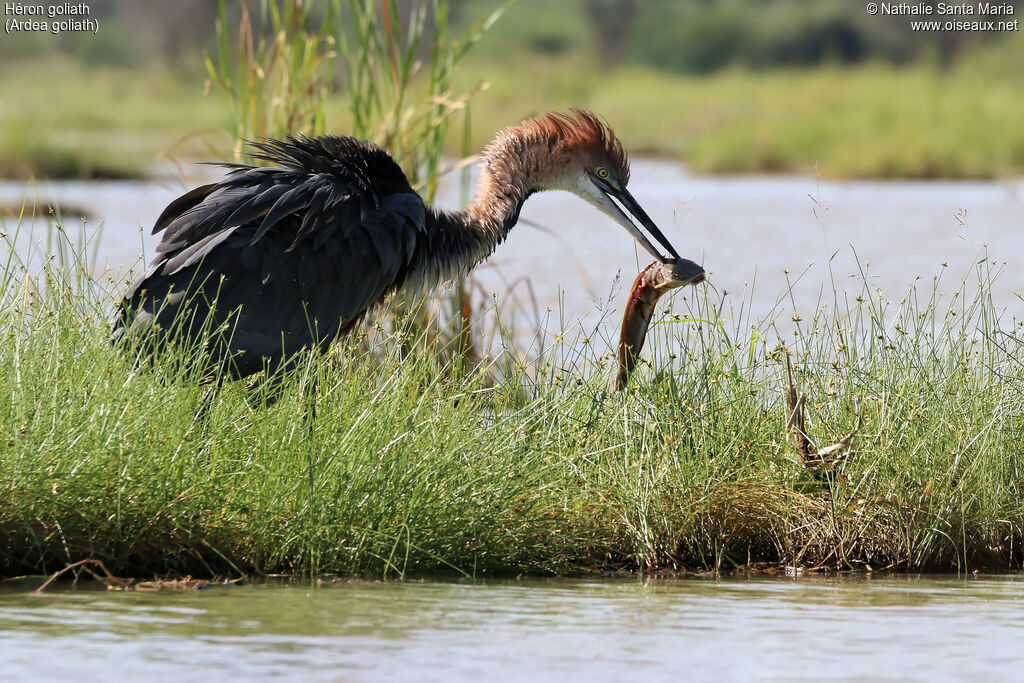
(872, 121)
(695, 36)
(412, 465)
(735, 86)
(64, 119)
(701, 36)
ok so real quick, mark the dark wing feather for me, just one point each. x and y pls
(182, 204)
(259, 204)
(284, 257)
(293, 201)
(316, 209)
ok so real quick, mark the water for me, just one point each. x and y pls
(741, 228)
(859, 627)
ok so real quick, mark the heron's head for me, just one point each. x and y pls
(581, 154)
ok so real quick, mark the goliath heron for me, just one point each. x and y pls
(286, 257)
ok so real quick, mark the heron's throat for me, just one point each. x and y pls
(509, 174)
(486, 222)
(500, 194)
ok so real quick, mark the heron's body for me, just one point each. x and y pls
(273, 260)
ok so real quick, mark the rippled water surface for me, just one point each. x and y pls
(894, 628)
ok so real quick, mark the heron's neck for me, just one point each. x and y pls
(503, 187)
(463, 238)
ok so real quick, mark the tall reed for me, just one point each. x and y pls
(275, 71)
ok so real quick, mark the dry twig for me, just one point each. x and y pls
(823, 461)
(110, 581)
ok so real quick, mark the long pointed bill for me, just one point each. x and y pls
(631, 205)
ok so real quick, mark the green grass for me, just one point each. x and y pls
(410, 467)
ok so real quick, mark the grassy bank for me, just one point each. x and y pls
(62, 119)
(410, 467)
(869, 121)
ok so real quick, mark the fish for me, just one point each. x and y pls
(652, 282)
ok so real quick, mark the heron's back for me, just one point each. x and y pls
(272, 260)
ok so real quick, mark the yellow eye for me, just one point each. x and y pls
(602, 173)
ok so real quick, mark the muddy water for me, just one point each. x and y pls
(855, 628)
(743, 229)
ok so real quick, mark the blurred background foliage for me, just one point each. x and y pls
(725, 85)
(686, 36)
